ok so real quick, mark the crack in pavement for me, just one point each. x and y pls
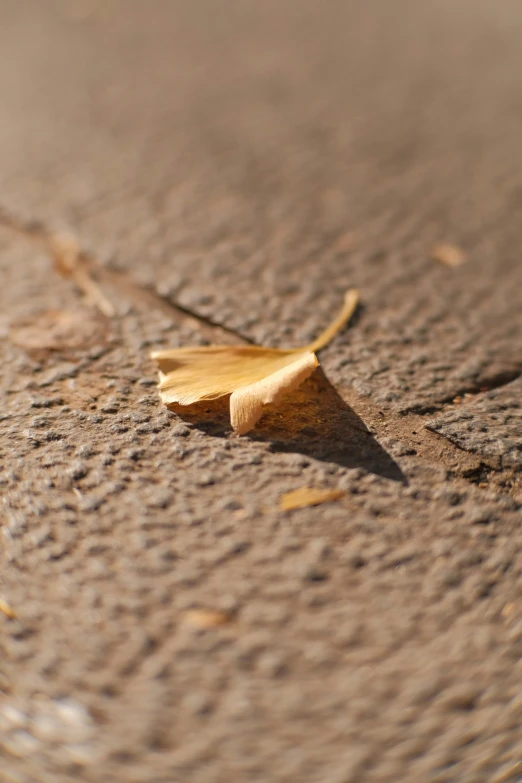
(71, 261)
(417, 438)
(490, 383)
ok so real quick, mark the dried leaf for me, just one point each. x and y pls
(206, 618)
(68, 259)
(7, 609)
(253, 376)
(448, 254)
(308, 496)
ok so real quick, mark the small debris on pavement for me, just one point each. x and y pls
(308, 496)
(6, 609)
(508, 611)
(450, 255)
(206, 618)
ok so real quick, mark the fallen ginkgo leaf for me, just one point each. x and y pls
(253, 376)
(308, 496)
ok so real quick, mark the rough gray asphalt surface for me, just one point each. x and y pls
(252, 161)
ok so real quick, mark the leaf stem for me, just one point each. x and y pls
(351, 300)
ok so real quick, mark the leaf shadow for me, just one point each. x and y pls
(313, 420)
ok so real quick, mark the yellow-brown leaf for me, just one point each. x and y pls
(7, 609)
(308, 496)
(254, 376)
(206, 618)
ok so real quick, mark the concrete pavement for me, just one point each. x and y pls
(251, 161)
